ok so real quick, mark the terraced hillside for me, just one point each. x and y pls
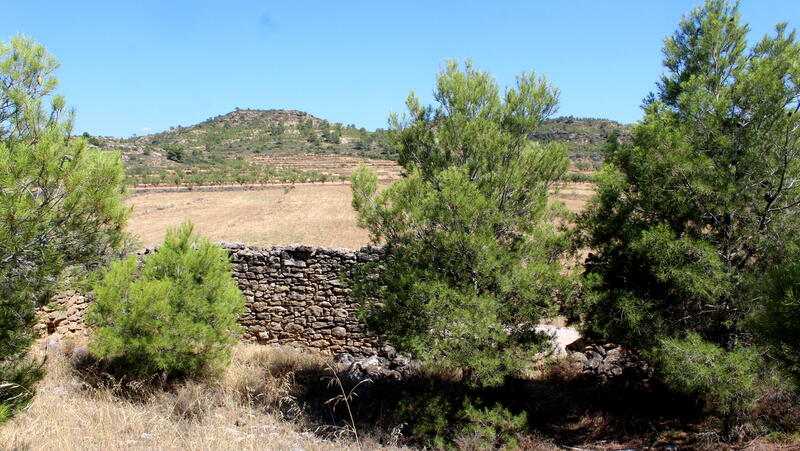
(584, 137)
(280, 146)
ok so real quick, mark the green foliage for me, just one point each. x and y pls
(472, 256)
(175, 152)
(60, 202)
(176, 316)
(690, 217)
(728, 381)
(779, 320)
(492, 427)
(440, 420)
(219, 172)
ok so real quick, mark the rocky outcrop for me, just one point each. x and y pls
(609, 361)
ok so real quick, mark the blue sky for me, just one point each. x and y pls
(140, 67)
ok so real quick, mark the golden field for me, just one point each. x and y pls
(313, 214)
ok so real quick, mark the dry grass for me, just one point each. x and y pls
(313, 214)
(245, 408)
(318, 215)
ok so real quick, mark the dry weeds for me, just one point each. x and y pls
(245, 408)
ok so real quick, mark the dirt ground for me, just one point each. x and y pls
(313, 214)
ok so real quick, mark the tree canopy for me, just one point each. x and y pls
(690, 217)
(472, 253)
(60, 202)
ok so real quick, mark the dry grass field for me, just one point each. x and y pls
(238, 410)
(314, 214)
(318, 215)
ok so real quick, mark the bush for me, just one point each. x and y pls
(175, 316)
(468, 422)
(729, 382)
(779, 320)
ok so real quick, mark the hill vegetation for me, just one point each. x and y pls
(269, 146)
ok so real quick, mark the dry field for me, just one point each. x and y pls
(313, 214)
(238, 410)
(318, 215)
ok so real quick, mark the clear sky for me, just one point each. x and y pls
(140, 67)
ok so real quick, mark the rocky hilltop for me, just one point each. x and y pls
(584, 137)
(246, 134)
(291, 145)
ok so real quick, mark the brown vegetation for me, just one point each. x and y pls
(245, 408)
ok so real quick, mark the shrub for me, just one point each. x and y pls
(175, 316)
(729, 382)
(472, 255)
(456, 418)
(492, 427)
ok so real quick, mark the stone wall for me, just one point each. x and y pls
(299, 295)
(64, 316)
(295, 295)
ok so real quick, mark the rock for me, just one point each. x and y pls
(339, 332)
(594, 361)
(53, 344)
(560, 337)
(57, 317)
(81, 357)
(389, 351)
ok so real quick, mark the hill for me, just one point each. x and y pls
(584, 137)
(244, 133)
(263, 146)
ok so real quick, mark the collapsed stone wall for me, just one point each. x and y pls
(63, 317)
(297, 295)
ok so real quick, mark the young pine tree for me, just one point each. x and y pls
(60, 201)
(175, 316)
(471, 253)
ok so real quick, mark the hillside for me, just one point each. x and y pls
(247, 133)
(584, 137)
(266, 146)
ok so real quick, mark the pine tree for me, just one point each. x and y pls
(176, 316)
(60, 201)
(471, 253)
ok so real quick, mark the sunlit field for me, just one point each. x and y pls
(313, 214)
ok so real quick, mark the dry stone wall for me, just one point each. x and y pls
(300, 295)
(297, 295)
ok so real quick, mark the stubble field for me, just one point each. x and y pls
(313, 214)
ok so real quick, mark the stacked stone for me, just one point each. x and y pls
(609, 361)
(63, 316)
(299, 295)
(296, 295)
